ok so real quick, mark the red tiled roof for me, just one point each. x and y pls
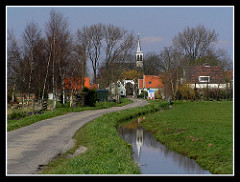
(72, 83)
(151, 81)
(215, 73)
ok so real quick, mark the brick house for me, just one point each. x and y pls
(204, 76)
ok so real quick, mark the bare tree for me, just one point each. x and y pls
(168, 59)
(194, 42)
(92, 39)
(168, 62)
(119, 43)
(13, 59)
(151, 64)
(59, 40)
(109, 43)
(31, 37)
(80, 51)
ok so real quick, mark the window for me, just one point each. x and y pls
(204, 78)
(137, 57)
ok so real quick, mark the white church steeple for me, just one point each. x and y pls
(138, 47)
(139, 55)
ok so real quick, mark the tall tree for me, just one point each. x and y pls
(13, 59)
(93, 40)
(151, 64)
(168, 62)
(109, 43)
(31, 37)
(59, 41)
(119, 43)
(194, 42)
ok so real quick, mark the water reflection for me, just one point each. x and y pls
(154, 158)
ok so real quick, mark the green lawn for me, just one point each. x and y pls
(200, 130)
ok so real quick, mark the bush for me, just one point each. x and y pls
(158, 95)
(186, 92)
(90, 97)
(17, 115)
(146, 94)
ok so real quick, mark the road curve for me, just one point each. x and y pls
(35, 145)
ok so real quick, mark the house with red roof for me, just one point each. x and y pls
(78, 83)
(205, 76)
(151, 82)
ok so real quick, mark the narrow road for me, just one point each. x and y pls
(35, 145)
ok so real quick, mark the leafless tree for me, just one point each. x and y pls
(168, 59)
(194, 42)
(92, 40)
(106, 43)
(58, 40)
(119, 43)
(13, 59)
(31, 37)
(151, 64)
(168, 62)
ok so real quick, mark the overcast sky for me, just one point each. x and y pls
(157, 25)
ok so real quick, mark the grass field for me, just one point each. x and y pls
(200, 130)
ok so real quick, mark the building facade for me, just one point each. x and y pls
(204, 76)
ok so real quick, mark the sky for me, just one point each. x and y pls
(157, 25)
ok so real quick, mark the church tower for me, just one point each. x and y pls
(139, 55)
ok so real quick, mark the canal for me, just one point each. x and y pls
(153, 157)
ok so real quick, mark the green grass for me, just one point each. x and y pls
(200, 130)
(107, 152)
(28, 120)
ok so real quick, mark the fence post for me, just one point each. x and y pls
(23, 103)
(33, 105)
(44, 105)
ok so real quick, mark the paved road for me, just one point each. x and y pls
(35, 145)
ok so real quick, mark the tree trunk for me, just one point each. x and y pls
(30, 77)
(53, 77)
(63, 92)
(13, 91)
(45, 80)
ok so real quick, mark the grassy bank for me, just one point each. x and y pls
(107, 152)
(199, 130)
(15, 124)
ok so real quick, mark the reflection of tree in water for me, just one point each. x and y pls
(141, 140)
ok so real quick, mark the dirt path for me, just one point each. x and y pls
(35, 145)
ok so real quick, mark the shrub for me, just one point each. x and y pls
(158, 95)
(17, 115)
(186, 92)
(90, 97)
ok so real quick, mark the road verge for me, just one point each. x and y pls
(107, 152)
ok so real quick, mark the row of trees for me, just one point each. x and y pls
(41, 60)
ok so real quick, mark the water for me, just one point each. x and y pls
(153, 157)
